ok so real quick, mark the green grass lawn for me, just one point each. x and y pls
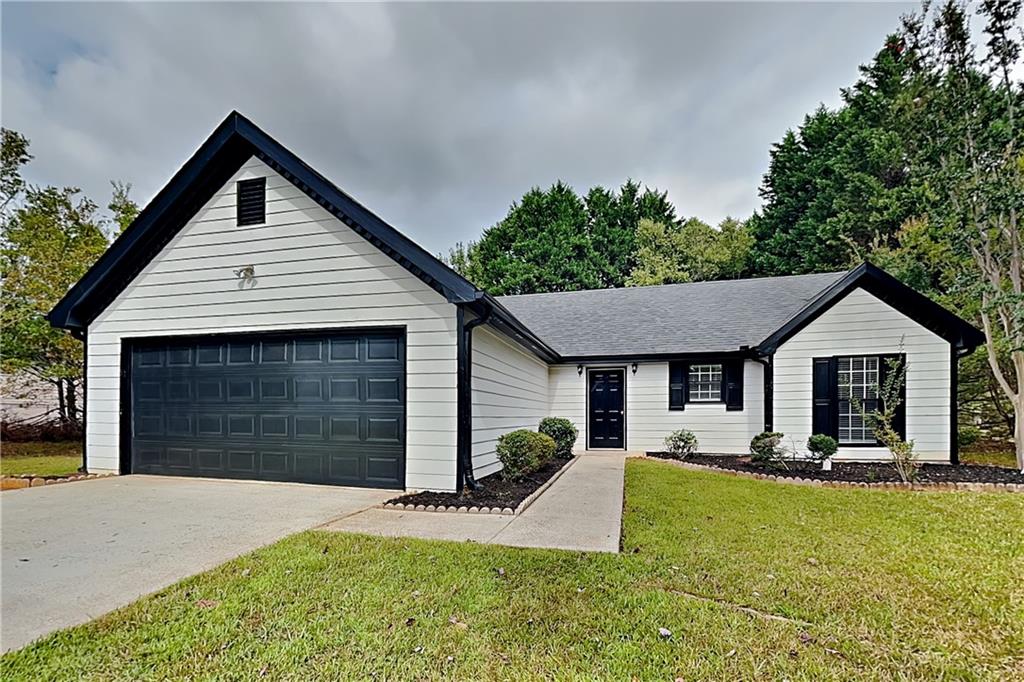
(999, 458)
(43, 458)
(890, 585)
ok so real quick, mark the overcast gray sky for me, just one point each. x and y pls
(437, 117)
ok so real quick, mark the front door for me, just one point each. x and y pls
(606, 424)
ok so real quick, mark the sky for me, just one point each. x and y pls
(435, 116)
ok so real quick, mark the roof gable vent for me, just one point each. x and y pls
(252, 201)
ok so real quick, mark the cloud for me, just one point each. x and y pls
(435, 116)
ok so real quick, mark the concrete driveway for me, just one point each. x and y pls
(75, 551)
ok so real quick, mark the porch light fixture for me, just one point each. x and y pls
(579, 370)
(634, 368)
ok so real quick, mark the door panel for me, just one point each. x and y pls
(316, 408)
(606, 422)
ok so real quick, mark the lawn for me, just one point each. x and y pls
(58, 458)
(875, 584)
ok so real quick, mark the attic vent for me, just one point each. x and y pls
(252, 201)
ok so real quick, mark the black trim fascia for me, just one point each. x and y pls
(220, 156)
(887, 288)
(499, 317)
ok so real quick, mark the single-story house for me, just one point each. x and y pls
(257, 322)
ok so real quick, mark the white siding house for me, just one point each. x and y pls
(862, 325)
(255, 321)
(312, 272)
(510, 391)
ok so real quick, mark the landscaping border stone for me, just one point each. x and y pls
(819, 483)
(19, 482)
(505, 511)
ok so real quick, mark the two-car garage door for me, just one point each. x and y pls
(315, 408)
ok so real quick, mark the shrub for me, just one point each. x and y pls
(681, 444)
(522, 452)
(766, 450)
(563, 432)
(821, 447)
(968, 435)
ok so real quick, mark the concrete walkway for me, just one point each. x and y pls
(582, 511)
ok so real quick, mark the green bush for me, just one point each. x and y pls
(681, 444)
(766, 449)
(522, 452)
(563, 432)
(821, 447)
(968, 435)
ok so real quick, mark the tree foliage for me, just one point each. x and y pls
(690, 252)
(49, 237)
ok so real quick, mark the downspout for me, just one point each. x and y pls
(464, 438)
(955, 354)
(768, 362)
(83, 336)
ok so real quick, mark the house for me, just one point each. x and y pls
(257, 322)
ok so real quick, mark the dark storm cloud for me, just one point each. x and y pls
(435, 116)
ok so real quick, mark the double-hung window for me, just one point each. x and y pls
(858, 394)
(845, 388)
(712, 380)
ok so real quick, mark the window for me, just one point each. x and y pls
(707, 380)
(705, 383)
(858, 379)
(252, 201)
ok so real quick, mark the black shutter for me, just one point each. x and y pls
(899, 418)
(825, 408)
(732, 376)
(252, 201)
(678, 376)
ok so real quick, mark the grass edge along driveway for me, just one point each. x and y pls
(891, 584)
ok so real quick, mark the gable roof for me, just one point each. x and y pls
(673, 319)
(743, 316)
(235, 140)
(750, 316)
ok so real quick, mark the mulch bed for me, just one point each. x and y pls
(860, 472)
(495, 492)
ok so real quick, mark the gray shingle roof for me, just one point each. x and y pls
(698, 317)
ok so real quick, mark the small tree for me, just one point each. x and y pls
(882, 418)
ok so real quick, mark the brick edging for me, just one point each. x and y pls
(20, 482)
(820, 483)
(503, 511)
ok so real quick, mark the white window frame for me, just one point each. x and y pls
(701, 380)
(860, 378)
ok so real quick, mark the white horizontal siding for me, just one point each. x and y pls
(312, 271)
(861, 324)
(510, 391)
(648, 419)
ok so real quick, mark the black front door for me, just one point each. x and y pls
(606, 424)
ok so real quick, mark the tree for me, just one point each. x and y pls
(967, 109)
(47, 245)
(841, 180)
(693, 251)
(49, 237)
(554, 240)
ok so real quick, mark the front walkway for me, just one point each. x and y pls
(582, 511)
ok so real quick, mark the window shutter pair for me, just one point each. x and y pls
(732, 384)
(825, 410)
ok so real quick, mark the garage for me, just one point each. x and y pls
(317, 407)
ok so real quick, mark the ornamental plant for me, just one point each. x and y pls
(681, 444)
(766, 450)
(523, 452)
(821, 447)
(563, 432)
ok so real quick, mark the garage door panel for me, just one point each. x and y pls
(321, 409)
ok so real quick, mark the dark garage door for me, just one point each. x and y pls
(325, 408)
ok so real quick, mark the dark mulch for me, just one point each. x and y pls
(494, 492)
(858, 472)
